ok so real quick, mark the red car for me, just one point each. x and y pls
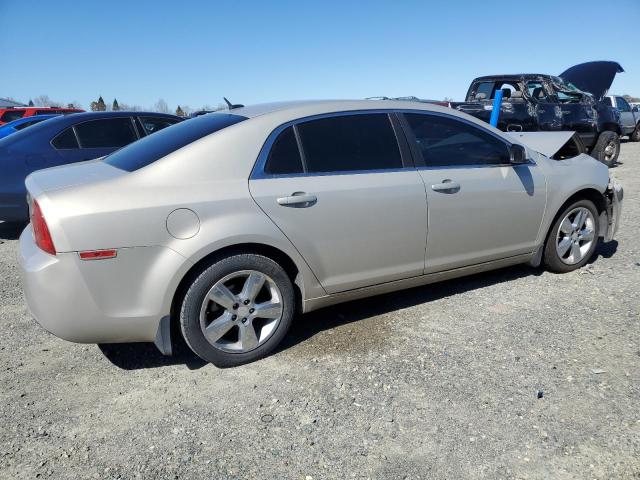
(13, 113)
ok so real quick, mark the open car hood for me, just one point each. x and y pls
(592, 77)
(546, 143)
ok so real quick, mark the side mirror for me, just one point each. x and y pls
(518, 154)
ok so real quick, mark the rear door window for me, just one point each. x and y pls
(155, 124)
(106, 133)
(284, 157)
(349, 143)
(623, 106)
(65, 140)
(447, 142)
(11, 115)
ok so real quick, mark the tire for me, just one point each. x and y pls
(601, 152)
(229, 281)
(557, 238)
(635, 135)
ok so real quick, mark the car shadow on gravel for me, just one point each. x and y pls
(136, 356)
(307, 326)
(11, 231)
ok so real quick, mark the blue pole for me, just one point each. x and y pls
(495, 113)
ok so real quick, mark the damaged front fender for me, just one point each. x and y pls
(613, 196)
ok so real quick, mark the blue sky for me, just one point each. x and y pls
(194, 52)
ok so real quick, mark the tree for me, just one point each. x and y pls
(101, 105)
(629, 98)
(43, 101)
(161, 106)
(31, 103)
(115, 107)
(179, 112)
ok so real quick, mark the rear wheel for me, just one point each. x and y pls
(237, 310)
(635, 135)
(573, 237)
(607, 148)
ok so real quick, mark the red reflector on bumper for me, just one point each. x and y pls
(98, 254)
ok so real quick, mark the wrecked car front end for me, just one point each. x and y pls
(613, 195)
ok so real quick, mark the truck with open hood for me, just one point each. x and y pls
(571, 101)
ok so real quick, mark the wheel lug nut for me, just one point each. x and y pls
(235, 306)
(233, 317)
(251, 310)
(244, 320)
(246, 302)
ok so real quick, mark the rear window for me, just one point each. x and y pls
(11, 115)
(149, 149)
(106, 133)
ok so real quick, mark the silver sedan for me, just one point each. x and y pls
(231, 223)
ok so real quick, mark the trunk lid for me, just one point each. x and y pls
(592, 77)
(66, 176)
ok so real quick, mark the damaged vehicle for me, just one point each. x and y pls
(222, 228)
(572, 101)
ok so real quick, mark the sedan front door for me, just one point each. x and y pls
(342, 192)
(481, 207)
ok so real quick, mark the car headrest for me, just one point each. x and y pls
(506, 93)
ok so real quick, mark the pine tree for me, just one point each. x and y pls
(179, 111)
(115, 107)
(101, 105)
(94, 106)
(30, 103)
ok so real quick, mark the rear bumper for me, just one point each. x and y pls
(99, 301)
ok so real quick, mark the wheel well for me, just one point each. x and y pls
(612, 127)
(268, 251)
(586, 194)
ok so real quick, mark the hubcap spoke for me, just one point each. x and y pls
(219, 327)
(564, 246)
(248, 337)
(566, 226)
(252, 285)
(579, 219)
(586, 234)
(576, 254)
(222, 296)
(272, 309)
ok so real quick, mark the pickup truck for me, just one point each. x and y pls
(629, 116)
(572, 101)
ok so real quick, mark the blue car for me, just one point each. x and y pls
(62, 140)
(22, 123)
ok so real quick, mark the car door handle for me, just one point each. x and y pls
(447, 186)
(298, 199)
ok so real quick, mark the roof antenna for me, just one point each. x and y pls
(231, 105)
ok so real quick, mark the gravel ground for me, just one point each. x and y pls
(434, 382)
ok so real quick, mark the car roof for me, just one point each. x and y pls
(513, 76)
(303, 108)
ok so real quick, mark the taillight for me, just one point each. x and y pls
(41, 231)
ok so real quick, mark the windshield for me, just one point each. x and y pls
(149, 149)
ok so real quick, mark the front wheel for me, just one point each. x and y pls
(237, 310)
(573, 237)
(607, 148)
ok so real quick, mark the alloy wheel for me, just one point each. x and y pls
(575, 235)
(241, 311)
